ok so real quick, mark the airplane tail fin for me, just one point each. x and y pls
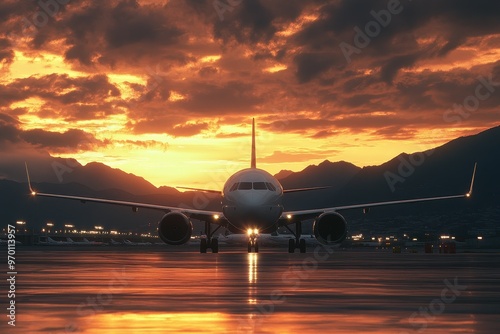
(253, 163)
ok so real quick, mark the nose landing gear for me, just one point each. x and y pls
(252, 240)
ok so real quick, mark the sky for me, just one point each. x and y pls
(167, 89)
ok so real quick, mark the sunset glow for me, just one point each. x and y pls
(167, 89)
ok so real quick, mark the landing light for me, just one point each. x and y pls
(216, 217)
(251, 231)
(33, 193)
(467, 195)
(289, 216)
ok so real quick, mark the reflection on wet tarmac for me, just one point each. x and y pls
(156, 290)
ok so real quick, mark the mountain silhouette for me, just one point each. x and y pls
(445, 170)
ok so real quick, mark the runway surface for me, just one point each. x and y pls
(168, 290)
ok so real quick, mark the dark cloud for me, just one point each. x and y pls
(219, 99)
(72, 140)
(66, 97)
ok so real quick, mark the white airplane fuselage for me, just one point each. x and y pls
(252, 199)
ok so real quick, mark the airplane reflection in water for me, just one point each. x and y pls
(155, 292)
(252, 203)
(252, 277)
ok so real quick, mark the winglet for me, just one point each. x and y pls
(29, 181)
(472, 181)
(253, 163)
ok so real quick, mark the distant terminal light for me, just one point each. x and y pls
(479, 238)
(50, 224)
(98, 227)
(20, 222)
(69, 225)
(445, 237)
(414, 239)
(113, 232)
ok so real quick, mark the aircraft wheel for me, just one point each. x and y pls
(302, 245)
(256, 249)
(203, 245)
(291, 246)
(249, 246)
(215, 245)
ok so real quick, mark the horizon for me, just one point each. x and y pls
(167, 90)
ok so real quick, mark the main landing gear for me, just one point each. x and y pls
(252, 240)
(297, 242)
(209, 241)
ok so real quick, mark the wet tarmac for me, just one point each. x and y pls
(177, 290)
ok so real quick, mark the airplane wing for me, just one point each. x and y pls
(285, 191)
(202, 190)
(294, 216)
(212, 216)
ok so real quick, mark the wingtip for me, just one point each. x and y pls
(32, 192)
(469, 194)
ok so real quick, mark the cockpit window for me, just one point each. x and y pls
(259, 186)
(245, 186)
(270, 186)
(234, 187)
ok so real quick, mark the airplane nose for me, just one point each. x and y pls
(252, 199)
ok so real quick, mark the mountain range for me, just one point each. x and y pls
(443, 170)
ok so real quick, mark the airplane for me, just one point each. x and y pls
(251, 204)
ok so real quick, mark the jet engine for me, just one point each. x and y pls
(330, 228)
(175, 228)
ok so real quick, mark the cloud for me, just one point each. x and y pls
(70, 141)
(73, 140)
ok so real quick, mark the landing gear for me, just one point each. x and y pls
(214, 245)
(252, 240)
(209, 241)
(297, 242)
(203, 245)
